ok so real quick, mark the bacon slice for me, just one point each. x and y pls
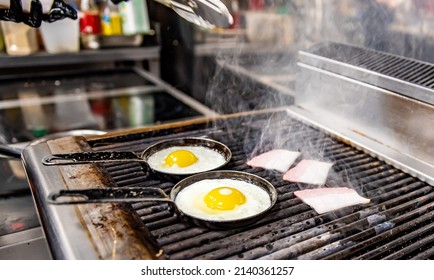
(323, 200)
(279, 159)
(309, 172)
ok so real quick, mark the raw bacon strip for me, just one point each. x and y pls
(309, 172)
(323, 200)
(278, 159)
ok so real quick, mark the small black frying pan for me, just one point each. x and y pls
(97, 157)
(142, 194)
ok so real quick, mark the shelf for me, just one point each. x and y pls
(239, 48)
(84, 56)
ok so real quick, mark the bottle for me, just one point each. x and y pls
(256, 5)
(35, 117)
(2, 45)
(111, 21)
(135, 18)
(141, 110)
(90, 21)
(235, 12)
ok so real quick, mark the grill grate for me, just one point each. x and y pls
(397, 224)
(401, 75)
(405, 69)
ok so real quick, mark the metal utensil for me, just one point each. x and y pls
(204, 13)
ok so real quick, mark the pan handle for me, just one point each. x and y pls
(90, 157)
(108, 195)
(10, 151)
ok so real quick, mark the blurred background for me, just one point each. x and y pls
(138, 63)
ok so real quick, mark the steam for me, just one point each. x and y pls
(260, 72)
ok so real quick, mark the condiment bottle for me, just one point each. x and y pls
(1, 40)
(90, 21)
(111, 21)
(135, 19)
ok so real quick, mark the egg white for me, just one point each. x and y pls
(190, 200)
(208, 159)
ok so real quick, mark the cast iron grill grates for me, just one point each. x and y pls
(397, 224)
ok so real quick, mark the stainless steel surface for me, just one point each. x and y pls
(193, 103)
(91, 41)
(84, 56)
(76, 132)
(24, 245)
(379, 119)
(409, 77)
(336, 127)
(16, 149)
(62, 227)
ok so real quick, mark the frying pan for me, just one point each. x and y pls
(95, 157)
(143, 194)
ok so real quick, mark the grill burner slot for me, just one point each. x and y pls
(397, 224)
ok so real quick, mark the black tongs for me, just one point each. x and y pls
(204, 13)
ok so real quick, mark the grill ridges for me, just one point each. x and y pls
(313, 248)
(401, 68)
(398, 209)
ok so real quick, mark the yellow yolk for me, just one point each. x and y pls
(224, 198)
(182, 158)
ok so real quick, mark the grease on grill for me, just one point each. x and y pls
(292, 229)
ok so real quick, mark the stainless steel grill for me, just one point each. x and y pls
(406, 76)
(325, 124)
(292, 229)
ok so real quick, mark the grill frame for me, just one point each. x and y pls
(380, 114)
(406, 76)
(409, 77)
(302, 232)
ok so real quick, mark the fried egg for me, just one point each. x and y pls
(222, 199)
(186, 160)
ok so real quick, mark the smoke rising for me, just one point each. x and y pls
(260, 72)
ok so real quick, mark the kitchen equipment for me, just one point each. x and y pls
(206, 14)
(16, 150)
(94, 157)
(138, 194)
(345, 94)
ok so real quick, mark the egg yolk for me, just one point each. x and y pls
(182, 158)
(224, 198)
